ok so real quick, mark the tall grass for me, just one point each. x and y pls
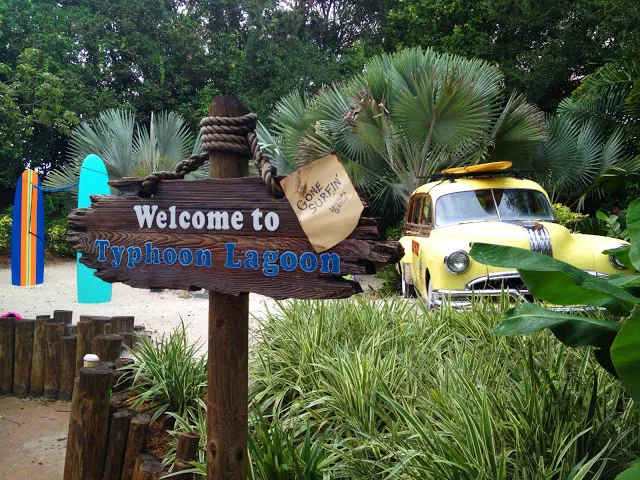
(386, 389)
(169, 375)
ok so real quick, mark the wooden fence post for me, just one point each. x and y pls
(135, 442)
(147, 468)
(36, 387)
(68, 367)
(85, 341)
(186, 451)
(62, 316)
(88, 438)
(7, 342)
(23, 357)
(118, 431)
(107, 346)
(53, 364)
(228, 377)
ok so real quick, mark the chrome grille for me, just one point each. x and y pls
(539, 238)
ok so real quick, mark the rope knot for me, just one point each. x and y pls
(222, 134)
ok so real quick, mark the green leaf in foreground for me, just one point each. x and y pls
(572, 330)
(622, 254)
(633, 226)
(591, 290)
(626, 355)
(631, 473)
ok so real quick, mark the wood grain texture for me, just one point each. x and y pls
(71, 454)
(36, 385)
(147, 468)
(107, 346)
(118, 430)
(228, 361)
(112, 218)
(63, 316)
(356, 257)
(186, 451)
(135, 442)
(53, 365)
(85, 341)
(123, 323)
(88, 437)
(7, 341)
(68, 370)
(23, 356)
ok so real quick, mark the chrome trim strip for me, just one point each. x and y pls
(508, 275)
(539, 238)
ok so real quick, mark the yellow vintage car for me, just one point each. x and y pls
(486, 203)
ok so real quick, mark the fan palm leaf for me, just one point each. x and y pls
(405, 116)
(127, 149)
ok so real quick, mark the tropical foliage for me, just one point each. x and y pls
(406, 116)
(127, 149)
(5, 233)
(616, 344)
(169, 375)
(386, 389)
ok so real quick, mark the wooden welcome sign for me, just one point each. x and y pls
(227, 235)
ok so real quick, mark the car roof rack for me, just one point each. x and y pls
(518, 173)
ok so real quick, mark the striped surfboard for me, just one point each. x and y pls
(27, 232)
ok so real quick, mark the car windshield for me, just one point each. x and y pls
(493, 204)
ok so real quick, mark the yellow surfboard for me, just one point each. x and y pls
(482, 168)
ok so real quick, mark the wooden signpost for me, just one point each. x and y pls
(228, 235)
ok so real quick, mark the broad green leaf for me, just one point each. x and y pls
(625, 281)
(631, 473)
(625, 353)
(526, 261)
(572, 330)
(633, 226)
(622, 254)
(559, 288)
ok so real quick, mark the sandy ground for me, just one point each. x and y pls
(33, 438)
(158, 312)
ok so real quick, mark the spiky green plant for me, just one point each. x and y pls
(169, 375)
(128, 149)
(384, 389)
(407, 115)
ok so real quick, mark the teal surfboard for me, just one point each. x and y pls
(93, 181)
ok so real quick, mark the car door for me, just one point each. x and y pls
(420, 223)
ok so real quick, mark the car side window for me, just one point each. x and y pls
(414, 215)
(425, 215)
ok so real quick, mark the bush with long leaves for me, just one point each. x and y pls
(169, 375)
(367, 389)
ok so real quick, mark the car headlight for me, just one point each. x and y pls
(615, 263)
(457, 262)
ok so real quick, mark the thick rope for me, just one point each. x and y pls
(222, 134)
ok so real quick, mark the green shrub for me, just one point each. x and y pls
(614, 225)
(5, 233)
(386, 389)
(57, 239)
(169, 375)
(567, 217)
